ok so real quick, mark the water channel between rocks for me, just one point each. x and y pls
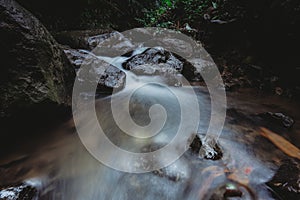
(242, 162)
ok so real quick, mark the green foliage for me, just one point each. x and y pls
(173, 13)
(154, 16)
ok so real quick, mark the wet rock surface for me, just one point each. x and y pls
(153, 56)
(92, 70)
(22, 191)
(278, 118)
(206, 148)
(270, 119)
(150, 61)
(76, 56)
(210, 150)
(96, 40)
(177, 172)
(154, 61)
(286, 182)
(115, 45)
(196, 144)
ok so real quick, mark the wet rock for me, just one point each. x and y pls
(90, 69)
(76, 56)
(196, 144)
(176, 172)
(169, 173)
(210, 150)
(96, 40)
(198, 67)
(153, 56)
(115, 45)
(206, 148)
(18, 192)
(154, 61)
(87, 39)
(286, 181)
(96, 71)
(34, 69)
(278, 118)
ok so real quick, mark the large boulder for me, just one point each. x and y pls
(159, 61)
(34, 70)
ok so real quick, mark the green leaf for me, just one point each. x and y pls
(168, 3)
(215, 6)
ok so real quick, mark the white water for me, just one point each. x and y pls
(81, 176)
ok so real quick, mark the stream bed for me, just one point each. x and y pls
(243, 162)
(59, 166)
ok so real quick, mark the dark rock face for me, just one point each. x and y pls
(196, 144)
(34, 69)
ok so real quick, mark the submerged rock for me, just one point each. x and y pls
(176, 172)
(34, 69)
(278, 118)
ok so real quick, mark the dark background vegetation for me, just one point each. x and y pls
(263, 33)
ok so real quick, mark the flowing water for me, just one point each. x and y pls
(60, 167)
